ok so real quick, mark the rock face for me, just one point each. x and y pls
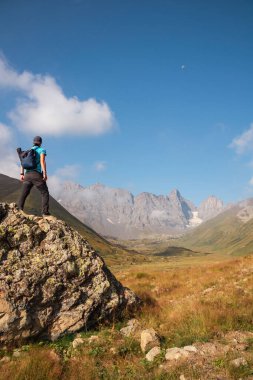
(51, 281)
(245, 212)
(210, 207)
(117, 213)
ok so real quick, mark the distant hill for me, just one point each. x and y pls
(9, 192)
(230, 232)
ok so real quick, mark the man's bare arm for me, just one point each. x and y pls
(21, 173)
(43, 166)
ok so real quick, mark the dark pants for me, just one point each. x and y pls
(34, 179)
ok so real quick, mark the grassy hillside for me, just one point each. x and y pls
(225, 234)
(9, 192)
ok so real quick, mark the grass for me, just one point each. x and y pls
(185, 303)
(40, 364)
(235, 373)
(181, 302)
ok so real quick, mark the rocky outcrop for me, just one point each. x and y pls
(210, 207)
(52, 282)
(245, 212)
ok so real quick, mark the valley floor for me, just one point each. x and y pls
(204, 301)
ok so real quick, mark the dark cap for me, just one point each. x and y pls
(37, 139)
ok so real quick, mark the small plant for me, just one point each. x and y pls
(63, 344)
(3, 353)
(97, 351)
(250, 344)
(146, 364)
(119, 325)
(220, 363)
(130, 347)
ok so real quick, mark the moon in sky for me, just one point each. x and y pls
(183, 67)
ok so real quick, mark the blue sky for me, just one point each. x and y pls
(171, 83)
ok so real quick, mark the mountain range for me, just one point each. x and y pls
(217, 228)
(117, 213)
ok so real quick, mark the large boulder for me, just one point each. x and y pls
(51, 280)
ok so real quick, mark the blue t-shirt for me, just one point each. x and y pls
(39, 151)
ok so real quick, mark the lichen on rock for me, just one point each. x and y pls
(52, 282)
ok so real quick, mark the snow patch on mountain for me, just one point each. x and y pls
(195, 220)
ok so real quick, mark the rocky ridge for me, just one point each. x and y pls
(52, 282)
(118, 213)
(210, 207)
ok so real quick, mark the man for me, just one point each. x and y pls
(36, 177)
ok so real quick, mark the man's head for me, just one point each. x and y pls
(37, 141)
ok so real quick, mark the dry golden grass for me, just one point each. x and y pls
(183, 301)
(195, 303)
(39, 364)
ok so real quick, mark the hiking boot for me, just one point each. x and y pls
(46, 214)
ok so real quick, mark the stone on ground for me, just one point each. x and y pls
(93, 339)
(132, 327)
(149, 339)
(239, 362)
(77, 342)
(5, 359)
(190, 348)
(153, 353)
(176, 353)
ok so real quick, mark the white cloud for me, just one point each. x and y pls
(55, 185)
(9, 78)
(244, 142)
(8, 155)
(68, 171)
(100, 166)
(44, 109)
(60, 176)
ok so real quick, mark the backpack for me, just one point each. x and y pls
(27, 158)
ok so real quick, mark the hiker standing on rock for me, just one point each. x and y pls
(34, 164)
